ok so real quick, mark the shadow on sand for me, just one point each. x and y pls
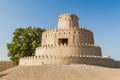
(2, 75)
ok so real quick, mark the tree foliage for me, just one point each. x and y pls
(24, 42)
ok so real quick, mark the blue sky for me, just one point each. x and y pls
(100, 16)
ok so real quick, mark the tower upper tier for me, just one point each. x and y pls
(68, 39)
(67, 21)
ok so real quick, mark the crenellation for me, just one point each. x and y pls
(42, 57)
(98, 60)
(85, 29)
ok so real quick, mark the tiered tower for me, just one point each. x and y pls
(68, 44)
(68, 39)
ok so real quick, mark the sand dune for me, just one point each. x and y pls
(60, 72)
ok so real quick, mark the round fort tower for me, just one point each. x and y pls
(68, 44)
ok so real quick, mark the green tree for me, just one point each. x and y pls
(24, 42)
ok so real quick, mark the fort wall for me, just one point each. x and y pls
(4, 65)
(68, 59)
(118, 64)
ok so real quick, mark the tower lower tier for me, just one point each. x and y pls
(81, 49)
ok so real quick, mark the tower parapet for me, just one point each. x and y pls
(67, 21)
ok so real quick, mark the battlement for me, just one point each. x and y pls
(5, 61)
(63, 56)
(68, 59)
(67, 15)
(72, 28)
(89, 45)
(65, 45)
(85, 29)
(67, 21)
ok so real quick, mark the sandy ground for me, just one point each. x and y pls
(60, 72)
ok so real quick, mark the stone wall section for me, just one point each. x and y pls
(4, 65)
(69, 59)
(118, 64)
